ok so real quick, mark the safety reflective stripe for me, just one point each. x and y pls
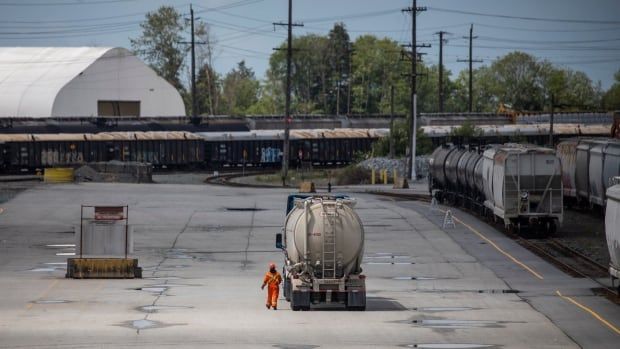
(273, 279)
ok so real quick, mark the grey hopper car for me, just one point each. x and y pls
(523, 186)
(612, 230)
(588, 166)
(519, 185)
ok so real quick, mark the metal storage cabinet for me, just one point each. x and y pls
(612, 229)
(567, 152)
(595, 171)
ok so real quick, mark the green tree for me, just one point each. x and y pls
(239, 91)
(381, 147)
(465, 132)
(160, 43)
(377, 66)
(611, 99)
(339, 61)
(207, 90)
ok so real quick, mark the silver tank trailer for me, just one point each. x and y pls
(324, 248)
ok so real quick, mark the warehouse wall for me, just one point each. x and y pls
(118, 76)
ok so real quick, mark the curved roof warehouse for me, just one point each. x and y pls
(41, 82)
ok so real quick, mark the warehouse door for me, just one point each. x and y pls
(118, 108)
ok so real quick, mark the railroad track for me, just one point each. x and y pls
(225, 179)
(404, 196)
(552, 250)
(571, 262)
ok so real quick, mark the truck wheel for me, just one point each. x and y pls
(287, 289)
(294, 307)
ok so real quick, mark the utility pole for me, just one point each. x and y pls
(338, 97)
(351, 51)
(471, 61)
(392, 122)
(441, 91)
(194, 101)
(414, 9)
(551, 121)
(287, 116)
(194, 119)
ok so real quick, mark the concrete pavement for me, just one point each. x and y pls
(204, 250)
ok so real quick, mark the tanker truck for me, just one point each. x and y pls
(323, 245)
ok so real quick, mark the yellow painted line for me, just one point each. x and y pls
(511, 257)
(590, 311)
(49, 288)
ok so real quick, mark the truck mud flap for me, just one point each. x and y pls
(356, 300)
(300, 300)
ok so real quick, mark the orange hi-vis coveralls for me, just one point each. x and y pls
(273, 281)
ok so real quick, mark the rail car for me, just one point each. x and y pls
(24, 152)
(263, 148)
(588, 168)
(519, 185)
(523, 133)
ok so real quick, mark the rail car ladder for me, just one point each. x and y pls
(330, 216)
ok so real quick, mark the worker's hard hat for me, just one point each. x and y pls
(272, 265)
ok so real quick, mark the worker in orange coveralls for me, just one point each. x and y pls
(272, 281)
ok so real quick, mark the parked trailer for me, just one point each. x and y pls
(323, 244)
(523, 187)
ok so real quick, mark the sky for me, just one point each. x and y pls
(577, 34)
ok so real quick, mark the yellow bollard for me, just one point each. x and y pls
(372, 176)
(385, 176)
(395, 176)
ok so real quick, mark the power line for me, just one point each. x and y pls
(64, 3)
(353, 16)
(546, 42)
(542, 19)
(614, 28)
(542, 48)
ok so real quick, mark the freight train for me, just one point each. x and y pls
(175, 149)
(214, 150)
(519, 185)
